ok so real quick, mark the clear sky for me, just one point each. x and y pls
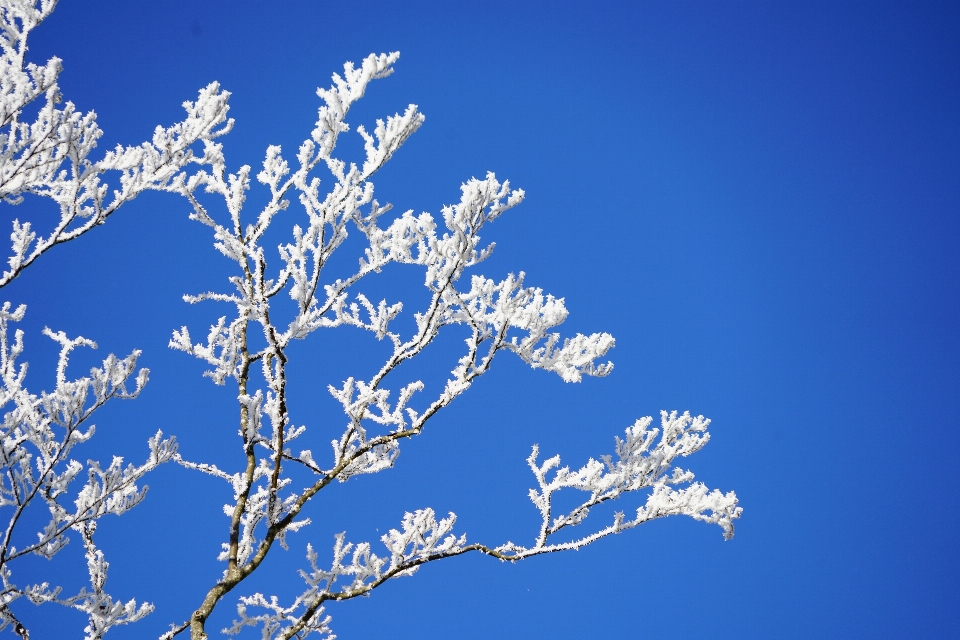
(759, 200)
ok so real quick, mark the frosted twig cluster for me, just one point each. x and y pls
(642, 461)
(49, 156)
(250, 347)
(37, 438)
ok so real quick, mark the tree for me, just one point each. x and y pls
(251, 348)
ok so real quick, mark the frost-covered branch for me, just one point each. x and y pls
(37, 437)
(50, 155)
(102, 611)
(642, 462)
(497, 316)
(422, 539)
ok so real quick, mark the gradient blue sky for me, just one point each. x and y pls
(759, 200)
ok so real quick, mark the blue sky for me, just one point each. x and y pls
(758, 200)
